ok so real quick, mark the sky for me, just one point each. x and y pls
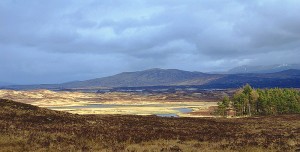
(59, 41)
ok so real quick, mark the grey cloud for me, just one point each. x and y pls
(88, 39)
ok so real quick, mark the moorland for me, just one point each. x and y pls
(26, 127)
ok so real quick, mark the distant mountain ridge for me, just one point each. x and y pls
(263, 68)
(285, 79)
(174, 77)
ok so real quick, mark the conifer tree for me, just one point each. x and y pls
(248, 101)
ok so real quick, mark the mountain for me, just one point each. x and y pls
(151, 77)
(174, 77)
(263, 69)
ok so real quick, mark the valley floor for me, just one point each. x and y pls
(174, 104)
(29, 128)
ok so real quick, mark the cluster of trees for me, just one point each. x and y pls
(249, 101)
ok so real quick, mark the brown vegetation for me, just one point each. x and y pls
(28, 128)
(47, 97)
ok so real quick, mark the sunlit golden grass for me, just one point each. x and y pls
(126, 103)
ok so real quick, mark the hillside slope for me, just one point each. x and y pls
(21, 112)
(151, 77)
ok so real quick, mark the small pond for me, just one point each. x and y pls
(181, 110)
(167, 115)
(184, 110)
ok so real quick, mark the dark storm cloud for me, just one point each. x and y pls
(40, 40)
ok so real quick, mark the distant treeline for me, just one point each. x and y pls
(248, 101)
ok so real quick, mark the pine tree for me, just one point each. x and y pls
(223, 106)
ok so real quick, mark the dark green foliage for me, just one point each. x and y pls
(223, 106)
(248, 101)
(278, 101)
